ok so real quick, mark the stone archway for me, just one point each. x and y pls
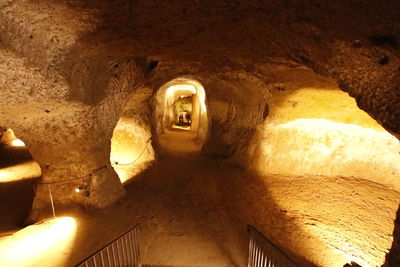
(175, 99)
(131, 148)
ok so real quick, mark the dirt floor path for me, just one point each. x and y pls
(202, 208)
(179, 142)
(193, 211)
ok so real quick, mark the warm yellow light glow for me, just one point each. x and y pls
(176, 91)
(321, 152)
(5, 176)
(318, 153)
(350, 258)
(131, 150)
(333, 220)
(125, 146)
(187, 88)
(20, 171)
(77, 190)
(315, 103)
(17, 143)
(322, 131)
(341, 248)
(46, 244)
(173, 90)
(323, 147)
(187, 128)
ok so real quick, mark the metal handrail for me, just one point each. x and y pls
(263, 253)
(121, 251)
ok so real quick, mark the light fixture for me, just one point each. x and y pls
(38, 244)
(17, 143)
(83, 189)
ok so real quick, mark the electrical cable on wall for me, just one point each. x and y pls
(140, 155)
(87, 187)
(77, 178)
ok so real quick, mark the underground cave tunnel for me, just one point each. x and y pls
(195, 119)
(181, 116)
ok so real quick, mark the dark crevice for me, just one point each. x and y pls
(382, 40)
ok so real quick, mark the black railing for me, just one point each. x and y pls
(263, 253)
(122, 251)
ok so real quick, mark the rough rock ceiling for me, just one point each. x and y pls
(355, 42)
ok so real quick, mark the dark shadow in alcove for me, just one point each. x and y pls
(10, 155)
(16, 200)
(393, 257)
(387, 39)
(16, 196)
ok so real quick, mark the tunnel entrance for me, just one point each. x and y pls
(19, 173)
(183, 108)
(181, 116)
(131, 149)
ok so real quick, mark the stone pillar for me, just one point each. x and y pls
(73, 151)
(76, 172)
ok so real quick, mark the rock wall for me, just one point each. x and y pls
(68, 67)
(64, 105)
(131, 148)
(314, 128)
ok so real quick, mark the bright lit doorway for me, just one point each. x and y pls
(181, 116)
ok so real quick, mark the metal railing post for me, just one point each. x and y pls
(263, 253)
(122, 251)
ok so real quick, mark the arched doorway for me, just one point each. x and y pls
(131, 149)
(181, 116)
